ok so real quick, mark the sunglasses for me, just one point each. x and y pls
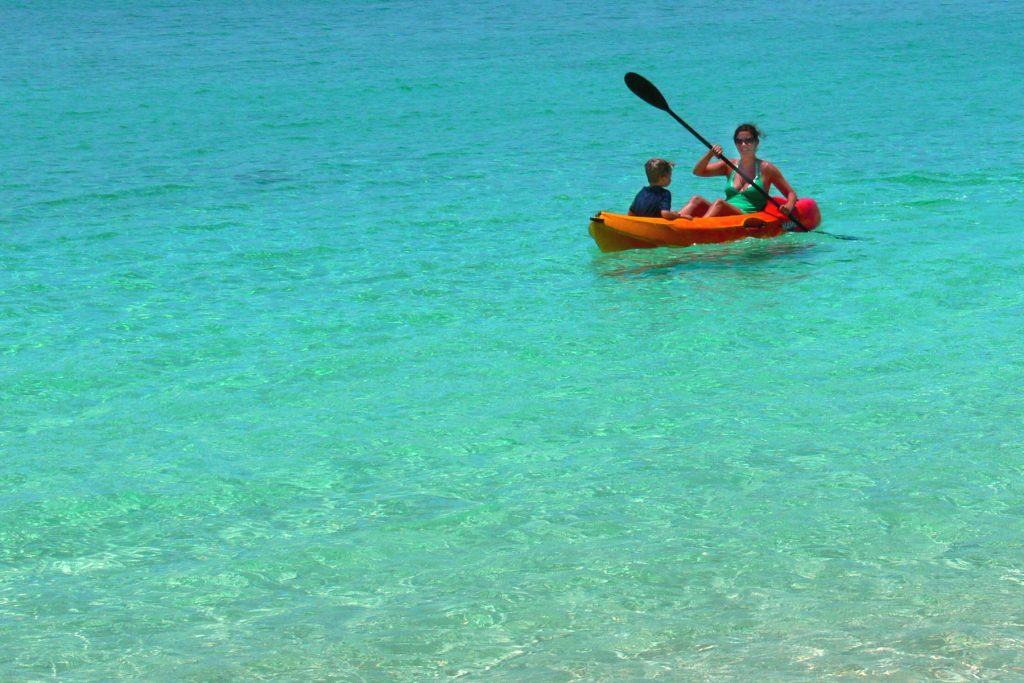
(744, 141)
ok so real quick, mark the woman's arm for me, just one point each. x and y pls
(706, 169)
(773, 176)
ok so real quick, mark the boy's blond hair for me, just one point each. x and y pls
(657, 169)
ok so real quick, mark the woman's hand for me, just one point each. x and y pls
(706, 168)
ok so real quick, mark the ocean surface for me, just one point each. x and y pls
(311, 372)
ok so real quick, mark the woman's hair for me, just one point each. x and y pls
(748, 128)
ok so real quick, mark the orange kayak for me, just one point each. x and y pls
(618, 232)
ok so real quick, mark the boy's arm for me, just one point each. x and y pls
(666, 207)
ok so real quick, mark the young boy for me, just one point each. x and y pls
(654, 200)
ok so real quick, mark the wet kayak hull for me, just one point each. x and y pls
(618, 232)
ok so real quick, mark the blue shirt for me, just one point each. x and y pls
(651, 201)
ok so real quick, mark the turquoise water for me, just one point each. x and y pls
(312, 372)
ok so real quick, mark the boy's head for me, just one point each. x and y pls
(659, 171)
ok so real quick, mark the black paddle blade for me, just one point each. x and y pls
(646, 91)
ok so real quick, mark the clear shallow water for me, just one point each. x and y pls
(311, 372)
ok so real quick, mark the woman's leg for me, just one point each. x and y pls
(695, 207)
(723, 208)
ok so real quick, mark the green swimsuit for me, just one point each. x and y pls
(748, 200)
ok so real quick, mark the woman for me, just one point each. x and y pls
(740, 196)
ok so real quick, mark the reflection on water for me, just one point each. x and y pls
(733, 256)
